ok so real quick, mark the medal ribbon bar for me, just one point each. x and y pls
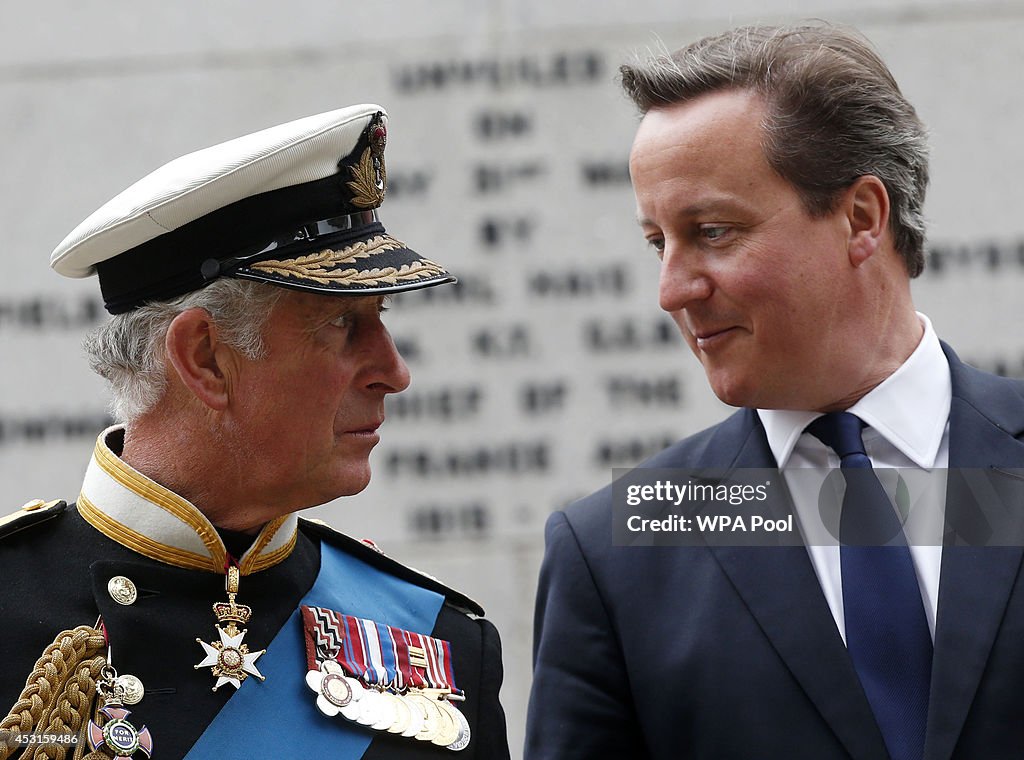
(384, 678)
(376, 653)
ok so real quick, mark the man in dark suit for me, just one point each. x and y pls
(780, 176)
(180, 606)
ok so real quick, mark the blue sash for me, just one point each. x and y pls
(278, 717)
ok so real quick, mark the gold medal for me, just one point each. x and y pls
(431, 717)
(449, 729)
(403, 715)
(415, 717)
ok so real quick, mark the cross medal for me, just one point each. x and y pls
(230, 659)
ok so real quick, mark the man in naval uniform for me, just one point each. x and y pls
(180, 603)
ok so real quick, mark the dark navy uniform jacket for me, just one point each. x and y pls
(56, 566)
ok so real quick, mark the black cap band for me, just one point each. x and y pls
(172, 264)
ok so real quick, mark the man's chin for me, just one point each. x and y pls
(739, 392)
(348, 484)
(353, 483)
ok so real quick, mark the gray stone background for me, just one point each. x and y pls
(551, 363)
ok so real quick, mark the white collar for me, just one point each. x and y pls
(142, 515)
(909, 408)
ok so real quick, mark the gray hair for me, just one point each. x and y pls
(834, 114)
(128, 350)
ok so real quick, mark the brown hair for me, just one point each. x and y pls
(834, 113)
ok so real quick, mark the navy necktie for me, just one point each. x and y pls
(886, 630)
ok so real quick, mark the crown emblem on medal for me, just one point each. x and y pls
(232, 613)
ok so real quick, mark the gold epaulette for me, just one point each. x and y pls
(36, 511)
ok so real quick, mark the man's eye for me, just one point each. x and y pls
(657, 243)
(713, 231)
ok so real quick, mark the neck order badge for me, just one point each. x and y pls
(230, 659)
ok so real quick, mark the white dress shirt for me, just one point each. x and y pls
(907, 418)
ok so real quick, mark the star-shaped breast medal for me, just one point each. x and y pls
(230, 659)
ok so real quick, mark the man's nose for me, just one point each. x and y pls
(390, 373)
(683, 279)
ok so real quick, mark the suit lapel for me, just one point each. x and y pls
(986, 419)
(779, 587)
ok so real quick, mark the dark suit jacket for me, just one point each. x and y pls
(54, 571)
(726, 652)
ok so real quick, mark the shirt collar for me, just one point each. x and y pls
(142, 515)
(909, 408)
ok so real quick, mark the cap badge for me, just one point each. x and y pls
(369, 176)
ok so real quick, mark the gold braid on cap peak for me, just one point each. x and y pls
(312, 263)
(59, 691)
(322, 267)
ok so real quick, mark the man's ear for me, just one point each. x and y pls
(193, 350)
(866, 204)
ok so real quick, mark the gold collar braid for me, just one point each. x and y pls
(136, 512)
